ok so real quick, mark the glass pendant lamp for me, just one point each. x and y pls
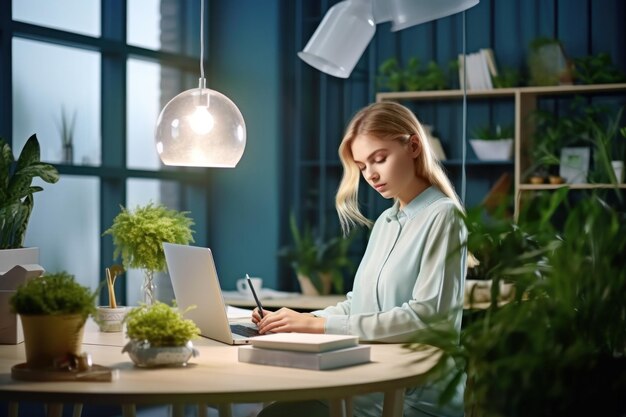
(200, 127)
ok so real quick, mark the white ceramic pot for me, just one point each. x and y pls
(110, 319)
(492, 150)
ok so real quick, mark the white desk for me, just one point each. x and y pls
(216, 377)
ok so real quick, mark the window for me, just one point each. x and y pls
(93, 98)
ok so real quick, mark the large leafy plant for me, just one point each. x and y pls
(559, 347)
(16, 189)
(311, 256)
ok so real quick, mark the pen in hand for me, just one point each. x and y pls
(256, 299)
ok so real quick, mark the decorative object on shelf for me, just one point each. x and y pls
(159, 336)
(493, 145)
(110, 318)
(557, 348)
(53, 309)
(618, 170)
(16, 191)
(575, 164)
(318, 264)
(430, 78)
(66, 130)
(200, 127)
(435, 142)
(556, 179)
(547, 63)
(138, 236)
(597, 69)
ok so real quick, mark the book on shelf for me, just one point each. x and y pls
(304, 342)
(319, 361)
(480, 67)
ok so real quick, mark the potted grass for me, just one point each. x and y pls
(493, 144)
(138, 236)
(159, 336)
(53, 309)
(16, 200)
(558, 348)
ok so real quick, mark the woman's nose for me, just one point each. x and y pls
(372, 175)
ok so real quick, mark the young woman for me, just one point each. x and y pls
(414, 264)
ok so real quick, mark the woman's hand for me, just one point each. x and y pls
(287, 320)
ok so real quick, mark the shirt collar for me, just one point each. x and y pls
(419, 203)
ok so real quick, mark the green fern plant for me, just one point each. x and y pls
(16, 189)
(138, 235)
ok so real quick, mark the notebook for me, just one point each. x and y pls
(194, 280)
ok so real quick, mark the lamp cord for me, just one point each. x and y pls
(464, 146)
(202, 83)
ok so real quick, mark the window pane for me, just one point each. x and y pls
(68, 235)
(150, 86)
(140, 192)
(69, 89)
(84, 17)
(161, 24)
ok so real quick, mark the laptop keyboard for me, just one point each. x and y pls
(244, 330)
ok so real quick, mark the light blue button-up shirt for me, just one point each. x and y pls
(413, 268)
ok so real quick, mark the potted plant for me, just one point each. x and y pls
(493, 144)
(138, 236)
(53, 309)
(318, 264)
(111, 317)
(16, 200)
(159, 336)
(559, 347)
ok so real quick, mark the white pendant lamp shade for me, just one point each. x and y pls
(200, 127)
(341, 38)
(405, 13)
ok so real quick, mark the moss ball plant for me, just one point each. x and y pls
(160, 325)
(54, 294)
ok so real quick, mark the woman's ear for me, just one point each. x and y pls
(415, 146)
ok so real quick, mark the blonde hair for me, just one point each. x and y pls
(388, 121)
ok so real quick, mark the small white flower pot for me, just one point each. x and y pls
(110, 319)
(493, 150)
(618, 169)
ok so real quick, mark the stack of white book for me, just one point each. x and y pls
(305, 350)
(481, 68)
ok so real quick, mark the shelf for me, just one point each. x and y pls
(501, 92)
(476, 162)
(539, 187)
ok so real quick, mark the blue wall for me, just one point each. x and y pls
(244, 65)
(253, 60)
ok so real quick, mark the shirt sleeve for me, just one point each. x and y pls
(437, 289)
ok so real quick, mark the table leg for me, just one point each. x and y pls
(78, 410)
(54, 409)
(225, 410)
(129, 410)
(14, 409)
(178, 410)
(202, 410)
(340, 407)
(393, 404)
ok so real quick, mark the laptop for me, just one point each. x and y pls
(195, 283)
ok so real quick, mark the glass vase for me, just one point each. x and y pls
(149, 288)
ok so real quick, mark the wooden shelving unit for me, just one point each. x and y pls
(525, 103)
